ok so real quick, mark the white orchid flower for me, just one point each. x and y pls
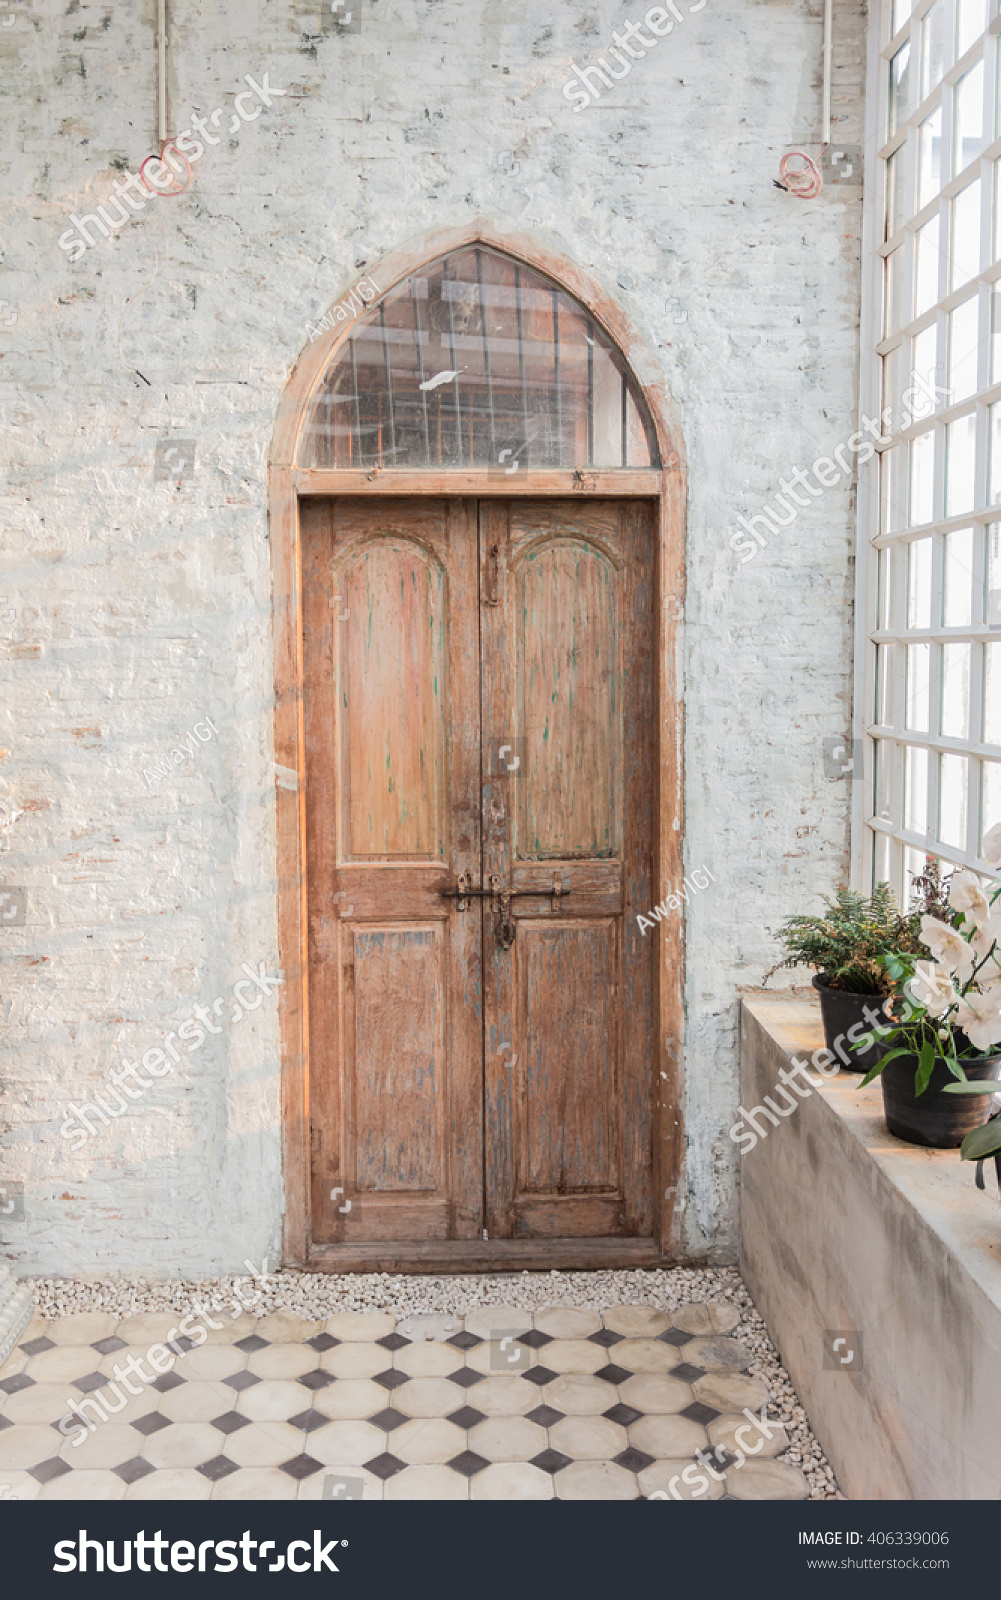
(991, 851)
(932, 987)
(988, 934)
(966, 895)
(979, 1016)
(948, 947)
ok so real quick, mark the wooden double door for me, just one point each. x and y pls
(479, 726)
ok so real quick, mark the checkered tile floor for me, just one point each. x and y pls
(499, 1405)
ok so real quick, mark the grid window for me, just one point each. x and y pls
(932, 587)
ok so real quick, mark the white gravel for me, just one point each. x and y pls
(314, 1295)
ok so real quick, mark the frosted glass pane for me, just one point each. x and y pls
(915, 789)
(926, 271)
(922, 478)
(953, 778)
(968, 118)
(954, 695)
(919, 583)
(893, 489)
(929, 157)
(992, 693)
(936, 46)
(900, 86)
(964, 341)
(990, 797)
(917, 689)
(965, 249)
(960, 457)
(971, 20)
(957, 578)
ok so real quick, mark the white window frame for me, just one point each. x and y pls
(866, 826)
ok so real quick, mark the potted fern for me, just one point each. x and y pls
(845, 947)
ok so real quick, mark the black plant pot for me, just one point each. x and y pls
(840, 1010)
(933, 1118)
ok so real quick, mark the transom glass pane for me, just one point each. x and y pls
(478, 361)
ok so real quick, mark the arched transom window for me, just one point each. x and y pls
(478, 361)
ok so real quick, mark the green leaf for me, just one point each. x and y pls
(926, 1066)
(972, 1088)
(985, 1141)
(873, 1072)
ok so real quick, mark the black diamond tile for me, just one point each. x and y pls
(697, 1412)
(182, 1343)
(466, 1417)
(613, 1374)
(545, 1416)
(633, 1460)
(308, 1421)
(534, 1339)
(89, 1382)
(317, 1379)
(539, 1375)
(469, 1463)
(252, 1343)
(676, 1336)
(301, 1466)
(152, 1422)
(107, 1347)
(241, 1380)
(16, 1383)
(34, 1347)
(465, 1340)
(47, 1470)
(466, 1377)
(384, 1466)
(391, 1379)
(170, 1380)
(622, 1414)
(687, 1373)
(321, 1342)
(606, 1337)
(393, 1341)
(550, 1461)
(229, 1422)
(218, 1467)
(5, 1422)
(388, 1419)
(132, 1471)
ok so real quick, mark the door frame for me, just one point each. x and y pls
(288, 483)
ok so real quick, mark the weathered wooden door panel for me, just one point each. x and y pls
(479, 700)
(568, 694)
(391, 653)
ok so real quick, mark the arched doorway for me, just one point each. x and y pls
(477, 524)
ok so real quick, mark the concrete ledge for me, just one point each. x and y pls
(843, 1227)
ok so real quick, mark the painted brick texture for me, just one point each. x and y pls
(135, 606)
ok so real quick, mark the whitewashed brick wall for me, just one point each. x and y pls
(139, 608)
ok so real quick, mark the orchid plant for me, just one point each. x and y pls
(949, 1008)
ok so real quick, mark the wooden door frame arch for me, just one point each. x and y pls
(288, 483)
